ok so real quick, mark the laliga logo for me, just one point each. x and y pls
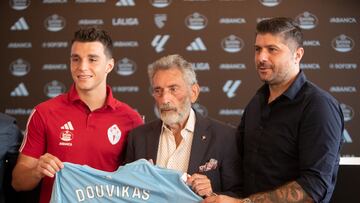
(348, 112)
(160, 3)
(54, 88)
(125, 67)
(343, 43)
(270, 3)
(20, 67)
(159, 42)
(307, 20)
(54, 23)
(230, 87)
(196, 21)
(232, 44)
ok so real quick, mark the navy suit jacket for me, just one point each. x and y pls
(212, 140)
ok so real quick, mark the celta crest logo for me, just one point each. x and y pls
(232, 44)
(54, 23)
(343, 43)
(54, 88)
(125, 67)
(159, 42)
(348, 112)
(123, 3)
(270, 3)
(196, 21)
(19, 67)
(307, 20)
(19, 4)
(230, 87)
(160, 3)
(159, 20)
(114, 134)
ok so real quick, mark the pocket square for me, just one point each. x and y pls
(210, 165)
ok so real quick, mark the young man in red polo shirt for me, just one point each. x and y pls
(87, 125)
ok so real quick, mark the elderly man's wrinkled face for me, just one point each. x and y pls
(173, 96)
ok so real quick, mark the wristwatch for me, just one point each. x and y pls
(247, 200)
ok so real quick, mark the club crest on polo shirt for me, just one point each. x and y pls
(66, 134)
(114, 134)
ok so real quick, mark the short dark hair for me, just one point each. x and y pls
(93, 34)
(284, 26)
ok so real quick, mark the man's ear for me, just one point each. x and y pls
(195, 91)
(299, 54)
(110, 65)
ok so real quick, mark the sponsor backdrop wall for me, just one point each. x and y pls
(217, 36)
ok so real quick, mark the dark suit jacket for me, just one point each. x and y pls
(219, 144)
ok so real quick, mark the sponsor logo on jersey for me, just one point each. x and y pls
(196, 21)
(230, 87)
(54, 23)
(66, 134)
(160, 3)
(348, 112)
(343, 43)
(20, 67)
(20, 91)
(196, 45)
(125, 3)
(19, 4)
(54, 88)
(125, 67)
(114, 134)
(270, 3)
(160, 19)
(20, 25)
(307, 20)
(232, 44)
(159, 42)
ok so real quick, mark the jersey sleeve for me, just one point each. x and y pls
(34, 142)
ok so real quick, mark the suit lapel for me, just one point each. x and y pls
(200, 143)
(152, 142)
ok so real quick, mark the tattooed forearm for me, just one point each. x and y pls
(289, 193)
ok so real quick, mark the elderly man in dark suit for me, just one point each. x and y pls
(183, 139)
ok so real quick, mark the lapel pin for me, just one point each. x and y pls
(203, 137)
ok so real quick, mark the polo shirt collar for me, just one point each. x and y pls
(110, 101)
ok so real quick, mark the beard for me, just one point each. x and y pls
(171, 115)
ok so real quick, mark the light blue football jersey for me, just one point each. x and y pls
(139, 181)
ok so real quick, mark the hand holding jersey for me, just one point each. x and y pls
(48, 165)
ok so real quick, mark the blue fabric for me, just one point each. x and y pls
(139, 181)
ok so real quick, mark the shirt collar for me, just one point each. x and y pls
(110, 101)
(293, 89)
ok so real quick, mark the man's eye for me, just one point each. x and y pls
(173, 89)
